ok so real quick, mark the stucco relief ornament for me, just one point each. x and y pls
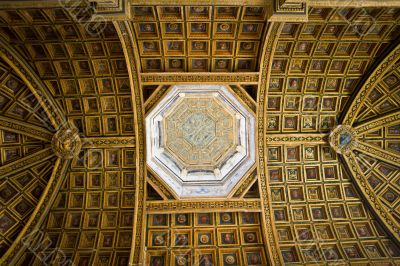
(343, 139)
(66, 143)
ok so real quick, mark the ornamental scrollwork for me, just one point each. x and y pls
(220, 205)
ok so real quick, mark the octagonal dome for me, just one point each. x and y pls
(200, 140)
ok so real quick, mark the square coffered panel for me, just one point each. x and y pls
(200, 140)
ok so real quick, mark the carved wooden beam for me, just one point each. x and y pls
(379, 153)
(268, 224)
(108, 142)
(26, 162)
(128, 42)
(194, 206)
(24, 128)
(316, 138)
(205, 78)
(375, 124)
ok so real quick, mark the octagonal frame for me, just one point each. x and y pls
(201, 183)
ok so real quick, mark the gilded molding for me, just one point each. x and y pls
(245, 97)
(289, 11)
(290, 5)
(111, 10)
(386, 65)
(107, 3)
(375, 124)
(245, 185)
(114, 3)
(107, 142)
(34, 83)
(379, 153)
(155, 97)
(39, 214)
(261, 134)
(25, 128)
(193, 206)
(126, 35)
(159, 187)
(353, 3)
(203, 2)
(318, 138)
(238, 90)
(204, 78)
(371, 197)
(25, 162)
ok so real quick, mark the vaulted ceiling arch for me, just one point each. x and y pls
(69, 67)
(372, 151)
(29, 167)
(297, 65)
(298, 108)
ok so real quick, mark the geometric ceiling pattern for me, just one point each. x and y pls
(316, 69)
(373, 153)
(87, 77)
(323, 80)
(93, 209)
(20, 188)
(229, 238)
(199, 38)
(318, 213)
(200, 140)
(317, 66)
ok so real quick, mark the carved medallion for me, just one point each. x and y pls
(343, 139)
(66, 143)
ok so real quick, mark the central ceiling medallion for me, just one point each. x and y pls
(342, 139)
(200, 140)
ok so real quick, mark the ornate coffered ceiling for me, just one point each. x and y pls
(320, 77)
(200, 140)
